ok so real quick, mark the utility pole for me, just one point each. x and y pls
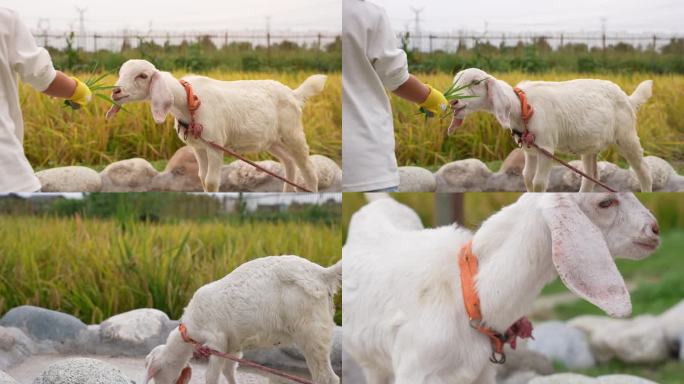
(81, 27)
(416, 30)
(44, 26)
(603, 33)
(268, 38)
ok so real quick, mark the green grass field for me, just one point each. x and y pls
(95, 268)
(425, 143)
(57, 136)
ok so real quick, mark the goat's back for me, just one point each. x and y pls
(264, 298)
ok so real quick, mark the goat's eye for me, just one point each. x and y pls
(607, 203)
(142, 76)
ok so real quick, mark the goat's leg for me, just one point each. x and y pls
(214, 369)
(299, 151)
(230, 369)
(591, 169)
(315, 345)
(541, 176)
(530, 169)
(631, 150)
(290, 167)
(212, 181)
(202, 162)
(375, 376)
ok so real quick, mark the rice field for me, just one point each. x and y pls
(425, 143)
(57, 136)
(95, 268)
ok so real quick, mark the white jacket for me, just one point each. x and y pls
(371, 63)
(20, 55)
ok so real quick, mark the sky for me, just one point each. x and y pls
(631, 16)
(200, 15)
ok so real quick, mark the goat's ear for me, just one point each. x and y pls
(161, 98)
(582, 259)
(185, 376)
(501, 104)
(153, 367)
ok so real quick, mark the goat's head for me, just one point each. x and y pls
(139, 80)
(485, 94)
(587, 231)
(162, 372)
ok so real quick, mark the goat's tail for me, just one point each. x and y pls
(312, 86)
(643, 92)
(333, 276)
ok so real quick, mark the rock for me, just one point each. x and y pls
(70, 179)
(523, 360)
(135, 332)
(82, 371)
(560, 342)
(514, 163)
(661, 171)
(563, 378)
(43, 324)
(132, 175)
(599, 329)
(462, 176)
(519, 377)
(623, 379)
(674, 184)
(672, 321)
(504, 182)
(7, 379)
(681, 347)
(606, 171)
(239, 176)
(180, 175)
(328, 172)
(17, 347)
(416, 179)
(641, 340)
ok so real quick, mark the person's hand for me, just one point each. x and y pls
(82, 93)
(435, 103)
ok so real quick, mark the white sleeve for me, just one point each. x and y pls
(32, 63)
(388, 60)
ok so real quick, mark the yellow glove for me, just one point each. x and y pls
(435, 102)
(82, 93)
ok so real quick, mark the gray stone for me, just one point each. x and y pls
(462, 176)
(514, 163)
(132, 175)
(19, 346)
(672, 321)
(505, 182)
(523, 359)
(606, 172)
(563, 378)
(519, 377)
(641, 340)
(416, 179)
(70, 179)
(135, 332)
(681, 347)
(7, 379)
(43, 324)
(597, 328)
(563, 343)
(82, 371)
(623, 379)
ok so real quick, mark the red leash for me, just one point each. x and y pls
(527, 138)
(195, 130)
(205, 351)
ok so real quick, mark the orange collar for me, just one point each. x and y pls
(193, 101)
(467, 263)
(526, 110)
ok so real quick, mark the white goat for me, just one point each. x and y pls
(580, 116)
(403, 311)
(262, 303)
(246, 116)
